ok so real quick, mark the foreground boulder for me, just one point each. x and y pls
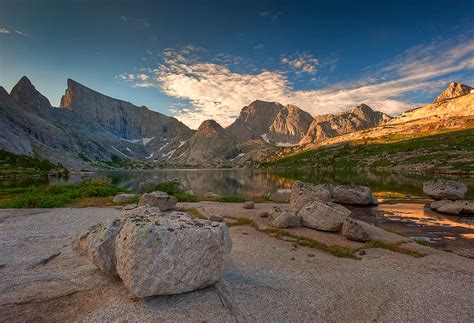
(324, 216)
(353, 194)
(173, 254)
(158, 199)
(124, 198)
(445, 189)
(98, 245)
(285, 219)
(144, 210)
(303, 193)
(356, 230)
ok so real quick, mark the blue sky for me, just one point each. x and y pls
(206, 59)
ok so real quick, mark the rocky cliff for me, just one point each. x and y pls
(330, 125)
(270, 122)
(453, 90)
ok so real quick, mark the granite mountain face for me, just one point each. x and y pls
(92, 130)
(272, 122)
(330, 125)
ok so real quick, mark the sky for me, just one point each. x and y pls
(199, 60)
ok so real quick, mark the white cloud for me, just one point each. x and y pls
(9, 31)
(302, 63)
(214, 91)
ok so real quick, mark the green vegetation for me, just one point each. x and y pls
(396, 247)
(19, 165)
(224, 198)
(445, 150)
(195, 213)
(172, 190)
(56, 195)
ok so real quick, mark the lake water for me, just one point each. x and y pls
(275, 184)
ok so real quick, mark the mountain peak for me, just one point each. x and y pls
(453, 90)
(210, 127)
(25, 95)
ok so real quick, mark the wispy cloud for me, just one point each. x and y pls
(212, 89)
(272, 14)
(137, 21)
(302, 63)
(10, 31)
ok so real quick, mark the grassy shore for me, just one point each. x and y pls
(87, 193)
(445, 151)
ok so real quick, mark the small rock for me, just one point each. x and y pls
(355, 230)
(362, 252)
(323, 216)
(124, 198)
(287, 238)
(190, 192)
(249, 205)
(451, 208)
(159, 199)
(292, 258)
(467, 206)
(264, 214)
(437, 204)
(445, 189)
(353, 194)
(211, 194)
(303, 193)
(216, 218)
(286, 219)
(310, 254)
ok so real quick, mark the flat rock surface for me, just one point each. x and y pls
(43, 280)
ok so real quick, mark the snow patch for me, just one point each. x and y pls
(285, 144)
(163, 147)
(120, 152)
(181, 143)
(144, 141)
(169, 154)
(128, 149)
(265, 138)
(151, 156)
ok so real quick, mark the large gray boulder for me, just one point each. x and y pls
(324, 216)
(286, 219)
(98, 244)
(356, 230)
(173, 254)
(353, 194)
(124, 198)
(303, 193)
(445, 189)
(453, 207)
(158, 199)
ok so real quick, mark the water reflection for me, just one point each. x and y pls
(275, 183)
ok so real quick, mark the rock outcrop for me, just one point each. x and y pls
(453, 207)
(303, 193)
(329, 125)
(353, 194)
(98, 245)
(324, 216)
(270, 122)
(356, 230)
(445, 189)
(173, 254)
(285, 219)
(453, 90)
(158, 199)
(124, 198)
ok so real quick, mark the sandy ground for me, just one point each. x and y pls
(41, 279)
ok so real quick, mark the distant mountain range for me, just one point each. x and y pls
(92, 130)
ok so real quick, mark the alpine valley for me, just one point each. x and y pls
(90, 130)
